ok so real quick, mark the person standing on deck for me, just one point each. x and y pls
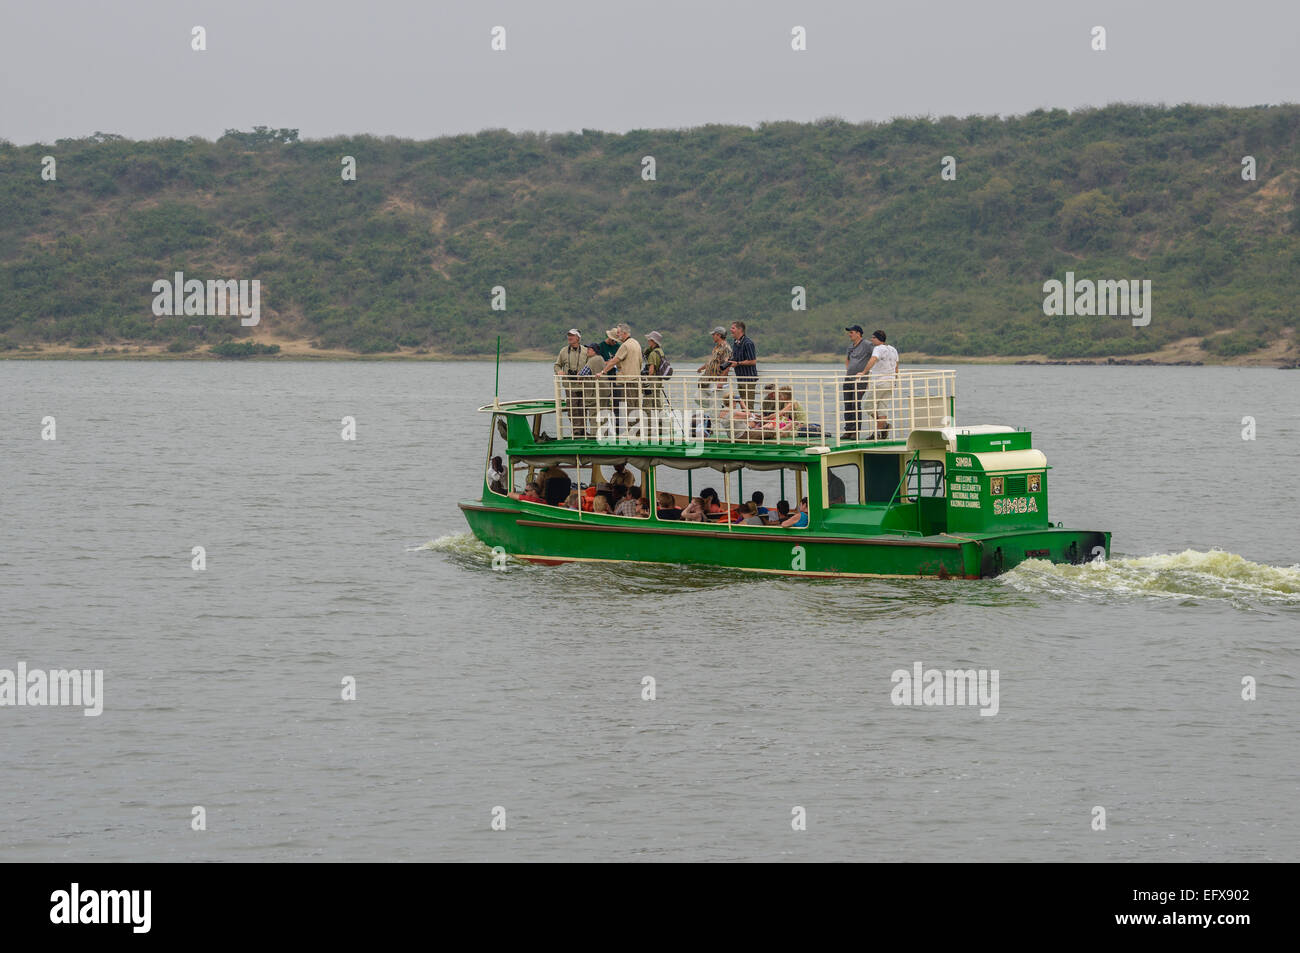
(744, 361)
(713, 378)
(654, 361)
(585, 405)
(570, 358)
(626, 364)
(608, 347)
(855, 381)
(883, 368)
(567, 364)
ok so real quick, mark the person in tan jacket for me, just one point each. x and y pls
(626, 365)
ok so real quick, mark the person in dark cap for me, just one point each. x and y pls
(855, 380)
(585, 399)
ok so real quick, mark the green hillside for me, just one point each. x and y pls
(406, 256)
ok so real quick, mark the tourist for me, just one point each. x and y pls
(629, 505)
(757, 499)
(555, 485)
(749, 514)
(600, 504)
(855, 380)
(571, 358)
(574, 502)
(800, 519)
(585, 403)
(532, 494)
(694, 511)
(608, 347)
(712, 505)
(666, 507)
(654, 362)
(621, 478)
(744, 362)
(643, 508)
(625, 365)
(567, 364)
(497, 476)
(713, 375)
(782, 511)
(883, 368)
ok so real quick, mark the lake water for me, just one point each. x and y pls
(1120, 687)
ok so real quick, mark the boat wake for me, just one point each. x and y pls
(463, 543)
(1189, 575)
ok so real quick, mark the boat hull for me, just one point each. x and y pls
(541, 534)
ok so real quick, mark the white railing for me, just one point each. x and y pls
(786, 407)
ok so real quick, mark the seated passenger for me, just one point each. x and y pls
(556, 486)
(800, 519)
(630, 504)
(782, 512)
(694, 511)
(532, 494)
(749, 514)
(600, 504)
(574, 502)
(667, 507)
(757, 499)
(712, 505)
(643, 508)
(588, 497)
(497, 476)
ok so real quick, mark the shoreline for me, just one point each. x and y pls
(1184, 353)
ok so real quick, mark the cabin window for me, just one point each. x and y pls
(925, 478)
(844, 484)
(676, 488)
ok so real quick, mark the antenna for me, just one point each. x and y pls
(496, 390)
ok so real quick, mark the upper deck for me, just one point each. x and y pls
(794, 409)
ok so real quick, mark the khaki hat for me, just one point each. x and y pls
(655, 336)
(612, 333)
(719, 330)
(575, 331)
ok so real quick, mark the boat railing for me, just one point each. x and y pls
(780, 407)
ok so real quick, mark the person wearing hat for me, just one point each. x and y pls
(654, 361)
(712, 377)
(570, 358)
(585, 402)
(608, 347)
(567, 364)
(855, 380)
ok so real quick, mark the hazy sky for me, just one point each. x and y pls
(423, 68)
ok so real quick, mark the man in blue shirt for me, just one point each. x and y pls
(744, 360)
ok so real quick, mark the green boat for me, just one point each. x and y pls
(893, 486)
